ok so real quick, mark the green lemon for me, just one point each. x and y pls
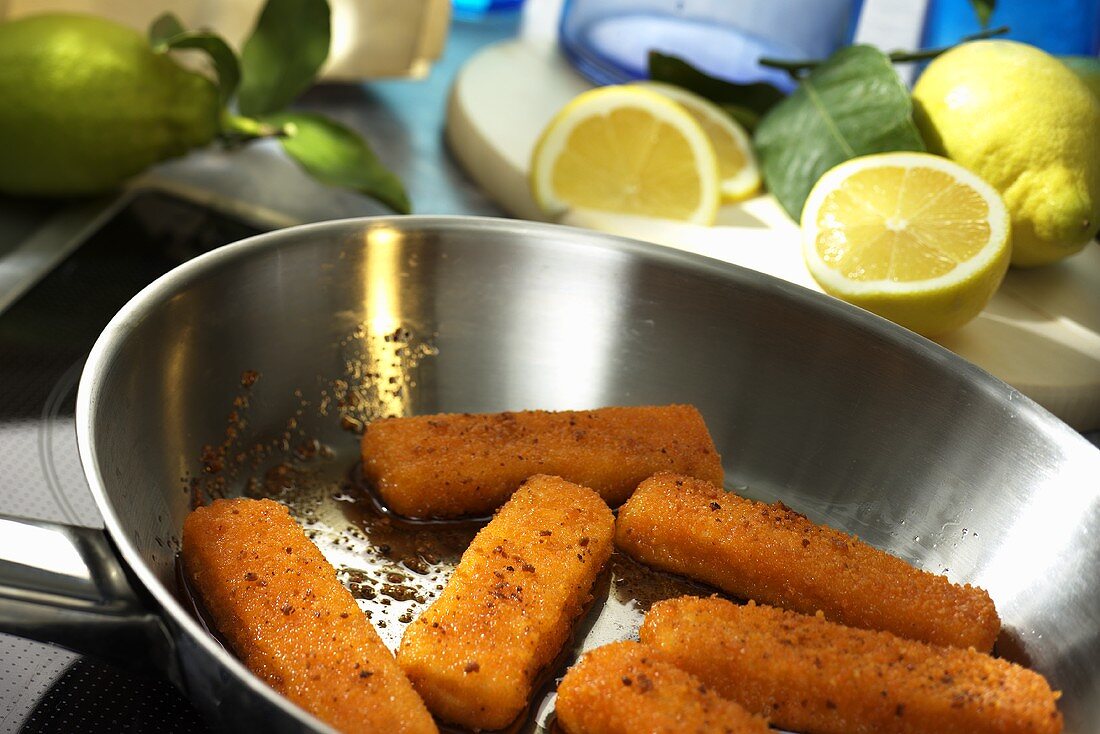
(1025, 123)
(1087, 68)
(87, 104)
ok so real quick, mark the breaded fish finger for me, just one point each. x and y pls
(628, 688)
(813, 676)
(447, 466)
(475, 653)
(776, 556)
(278, 603)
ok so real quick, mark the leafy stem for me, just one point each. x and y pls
(795, 68)
(250, 126)
(238, 129)
(280, 59)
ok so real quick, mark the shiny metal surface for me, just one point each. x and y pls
(65, 585)
(841, 415)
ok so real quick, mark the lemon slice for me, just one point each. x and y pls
(912, 237)
(738, 173)
(629, 150)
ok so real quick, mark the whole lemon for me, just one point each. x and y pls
(1024, 122)
(87, 104)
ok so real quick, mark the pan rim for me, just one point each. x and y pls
(107, 345)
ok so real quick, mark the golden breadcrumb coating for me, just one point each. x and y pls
(475, 653)
(448, 466)
(278, 603)
(776, 556)
(628, 688)
(813, 676)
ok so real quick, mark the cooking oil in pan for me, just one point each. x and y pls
(393, 567)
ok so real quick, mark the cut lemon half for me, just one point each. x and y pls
(629, 150)
(910, 236)
(738, 173)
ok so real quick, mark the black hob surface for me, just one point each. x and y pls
(45, 337)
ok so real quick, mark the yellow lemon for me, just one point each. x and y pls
(1024, 122)
(910, 236)
(630, 150)
(87, 104)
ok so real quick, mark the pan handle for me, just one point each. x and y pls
(65, 585)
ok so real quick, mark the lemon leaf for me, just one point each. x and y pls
(984, 10)
(337, 155)
(164, 27)
(167, 33)
(853, 104)
(283, 55)
(746, 103)
(746, 117)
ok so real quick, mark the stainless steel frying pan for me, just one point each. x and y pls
(840, 414)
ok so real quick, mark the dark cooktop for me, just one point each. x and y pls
(45, 337)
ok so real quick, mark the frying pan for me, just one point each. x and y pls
(840, 414)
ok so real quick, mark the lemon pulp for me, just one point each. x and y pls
(901, 224)
(626, 150)
(912, 237)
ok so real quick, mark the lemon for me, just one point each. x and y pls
(1024, 122)
(738, 172)
(629, 150)
(910, 236)
(87, 104)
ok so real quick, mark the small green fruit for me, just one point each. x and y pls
(88, 104)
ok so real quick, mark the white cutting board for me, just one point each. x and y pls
(1040, 333)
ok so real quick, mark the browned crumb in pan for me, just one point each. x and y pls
(775, 555)
(447, 466)
(813, 676)
(278, 603)
(475, 653)
(627, 688)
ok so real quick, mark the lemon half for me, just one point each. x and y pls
(630, 150)
(912, 237)
(738, 172)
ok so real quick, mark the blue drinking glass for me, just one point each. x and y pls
(474, 9)
(609, 40)
(1064, 27)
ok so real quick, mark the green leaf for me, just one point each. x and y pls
(853, 104)
(167, 33)
(336, 155)
(748, 119)
(984, 10)
(283, 55)
(747, 103)
(225, 61)
(164, 27)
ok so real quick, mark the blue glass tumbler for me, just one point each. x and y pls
(609, 40)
